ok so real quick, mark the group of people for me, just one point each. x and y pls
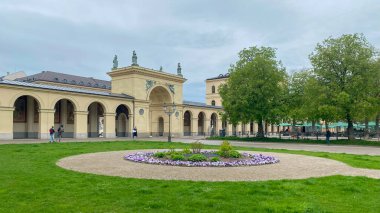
(52, 134)
(61, 130)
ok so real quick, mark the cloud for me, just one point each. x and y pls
(81, 36)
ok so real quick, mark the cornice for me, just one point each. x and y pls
(124, 71)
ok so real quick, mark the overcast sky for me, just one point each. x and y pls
(81, 36)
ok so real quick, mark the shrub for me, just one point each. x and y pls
(186, 151)
(177, 157)
(215, 159)
(224, 149)
(234, 154)
(197, 158)
(225, 146)
(159, 154)
(196, 147)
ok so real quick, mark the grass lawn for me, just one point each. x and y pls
(31, 182)
(304, 141)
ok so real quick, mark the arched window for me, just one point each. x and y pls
(212, 103)
(213, 89)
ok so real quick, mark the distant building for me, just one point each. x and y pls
(13, 76)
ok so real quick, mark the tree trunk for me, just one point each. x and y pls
(366, 129)
(377, 126)
(293, 126)
(350, 128)
(313, 127)
(260, 133)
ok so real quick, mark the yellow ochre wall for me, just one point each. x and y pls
(150, 89)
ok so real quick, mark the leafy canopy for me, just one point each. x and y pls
(256, 87)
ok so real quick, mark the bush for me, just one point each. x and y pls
(215, 159)
(186, 151)
(234, 154)
(177, 157)
(225, 146)
(159, 154)
(197, 158)
(196, 147)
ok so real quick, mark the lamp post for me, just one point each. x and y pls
(169, 109)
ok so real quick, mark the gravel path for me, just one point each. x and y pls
(290, 167)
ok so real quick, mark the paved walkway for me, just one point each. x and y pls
(349, 149)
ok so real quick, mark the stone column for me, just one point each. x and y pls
(30, 130)
(194, 126)
(229, 131)
(109, 125)
(6, 124)
(238, 129)
(207, 126)
(130, 125)
(80, 124)
(46, 122)
(219, 126)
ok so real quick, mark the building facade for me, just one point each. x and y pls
(87, 107)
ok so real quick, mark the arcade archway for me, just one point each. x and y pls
(158, 119)
(122, 121)
(201, 123)
(213, 124)
(95, 120)
(64, 116)
(187, 124)
(26, 118)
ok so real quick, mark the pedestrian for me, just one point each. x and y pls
(60, 131)
(51, 132)
(328, 135)
(134, 133)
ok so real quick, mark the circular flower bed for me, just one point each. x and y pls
(246, 159)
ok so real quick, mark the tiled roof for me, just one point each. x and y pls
(66, 89)
(62, 78)
(220, 76)
(199, 104)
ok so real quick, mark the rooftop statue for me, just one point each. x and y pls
(134, 59)
(115, 63)
(179, 69)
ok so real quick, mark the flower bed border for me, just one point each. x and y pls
(255, 160)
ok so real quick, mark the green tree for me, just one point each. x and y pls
(296, 96)
(316, 103)
(255, 90)
(375, 94)
(342, 68)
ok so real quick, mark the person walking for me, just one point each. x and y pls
(134, 133)
(328, 135)
(51, 132)
(60, 131)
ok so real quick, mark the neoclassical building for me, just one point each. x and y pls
(88, 107)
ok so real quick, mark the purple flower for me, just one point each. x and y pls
(253, 159)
